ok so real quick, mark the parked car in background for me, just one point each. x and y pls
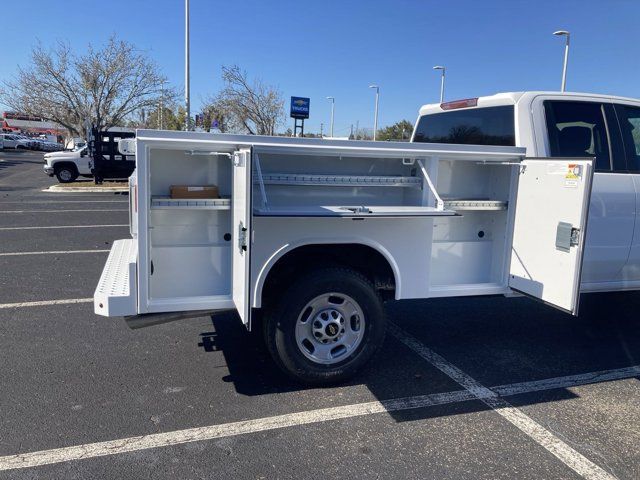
(32, 144)
(67, 166)
(39, 144)
(14, 141)
(50, 146)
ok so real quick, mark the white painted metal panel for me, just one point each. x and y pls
(405, 242)
(633, 265)
(241, 232)
(611, 223)
(115, 294)
(550, 192)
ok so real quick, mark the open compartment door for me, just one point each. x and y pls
(241, 232)
(549, 230)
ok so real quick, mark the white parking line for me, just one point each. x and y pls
(567, 455)
(63, 226)
(52, 252)
(156, 440)
(66, 211)
(46, 303)
(567, 382)
(144, 442)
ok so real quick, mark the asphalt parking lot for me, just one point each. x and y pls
(463, 388)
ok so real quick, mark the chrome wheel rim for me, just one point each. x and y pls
(65, 174)
(330, 328)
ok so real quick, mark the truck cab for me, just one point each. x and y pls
(555, 124)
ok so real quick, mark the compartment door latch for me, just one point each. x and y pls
(567, 236)
(242, 237)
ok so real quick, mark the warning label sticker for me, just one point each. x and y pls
(574, 172)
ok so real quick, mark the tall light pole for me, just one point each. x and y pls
(187, 79)
(566, 34)
(375, 115)
(333, 104)
(161, 104)
(440, 67)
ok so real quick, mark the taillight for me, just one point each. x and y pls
(467, 102)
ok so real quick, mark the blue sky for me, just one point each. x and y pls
(338, 48)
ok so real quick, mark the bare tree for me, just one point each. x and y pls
(250, 106)
(103, 87)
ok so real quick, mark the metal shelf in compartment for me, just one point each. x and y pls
(168, 203)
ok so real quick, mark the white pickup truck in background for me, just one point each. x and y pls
(553, 124)
(67, 166)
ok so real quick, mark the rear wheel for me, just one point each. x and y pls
(326, 326)
(66, 173)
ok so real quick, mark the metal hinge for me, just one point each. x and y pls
(575, 237)
(238, 160)
(242, 237)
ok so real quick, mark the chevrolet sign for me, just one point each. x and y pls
(299, 107)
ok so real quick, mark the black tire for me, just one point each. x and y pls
(280, 325)
(66, 173)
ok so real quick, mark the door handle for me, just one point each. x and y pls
(567, 236)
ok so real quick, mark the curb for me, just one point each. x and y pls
(92, 189)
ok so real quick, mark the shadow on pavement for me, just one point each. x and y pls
(495, 340)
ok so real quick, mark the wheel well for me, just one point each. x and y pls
(366, 260)
(57, 165)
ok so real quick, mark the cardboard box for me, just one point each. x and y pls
(194, 191)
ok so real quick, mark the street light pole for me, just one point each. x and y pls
(187, 100)
(161, 105)
(333, 104)
(440, 67)
(375, 117)
(564, 33)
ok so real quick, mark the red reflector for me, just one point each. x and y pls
(467, 102)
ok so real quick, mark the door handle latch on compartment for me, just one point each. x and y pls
(567, 236)
(242, 237)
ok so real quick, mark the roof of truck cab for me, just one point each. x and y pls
(511, 98)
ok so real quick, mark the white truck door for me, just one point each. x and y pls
(241, 232)
(549, 230)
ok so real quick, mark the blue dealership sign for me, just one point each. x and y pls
(300, 107)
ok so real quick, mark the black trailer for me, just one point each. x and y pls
(107, 161)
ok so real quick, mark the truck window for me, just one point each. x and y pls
(476, 126)
(578, 129)
(629, 118)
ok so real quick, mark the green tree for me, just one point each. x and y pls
(167, 118)
(398, 131)
(212, 112)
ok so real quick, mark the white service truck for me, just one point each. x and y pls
(67, 166)
(309, 237)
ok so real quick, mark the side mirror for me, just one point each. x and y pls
(83, 153)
